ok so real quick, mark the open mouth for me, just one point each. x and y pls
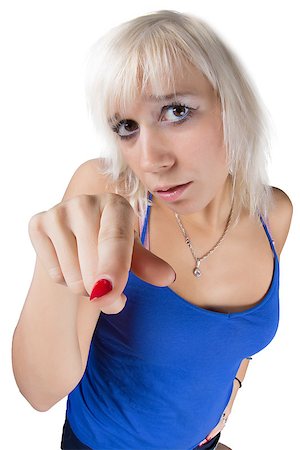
(173, 193)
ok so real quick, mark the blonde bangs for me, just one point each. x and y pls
(148, 68)
(145, 56)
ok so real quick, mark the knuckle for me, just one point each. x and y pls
(56, 275)
(70, 280)
(35, 223)
(78, 287)
(57, 214)
(82, 207)
(119, 201)
(83, 201)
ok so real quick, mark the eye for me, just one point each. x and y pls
(125, 126)
(177, 110)
(126, 129)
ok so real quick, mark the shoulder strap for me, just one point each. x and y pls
(145, 226)
(268, 233)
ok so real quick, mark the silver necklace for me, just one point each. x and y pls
(196, 270)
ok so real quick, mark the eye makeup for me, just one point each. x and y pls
(174, 107)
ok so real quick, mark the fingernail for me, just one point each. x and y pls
(101, 288)
(204, 442)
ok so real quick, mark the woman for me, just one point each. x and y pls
(184, 306)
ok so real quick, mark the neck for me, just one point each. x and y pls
(212, 217)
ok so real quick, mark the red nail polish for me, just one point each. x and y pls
(101, 288)
(205, 441)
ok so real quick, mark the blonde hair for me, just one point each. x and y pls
(146, 50)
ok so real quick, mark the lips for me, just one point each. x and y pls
(173, 193)
(169, 188)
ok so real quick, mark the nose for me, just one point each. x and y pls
(155, 151)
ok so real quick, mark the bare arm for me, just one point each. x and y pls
(280, 220)
(52, 337)
(219, 427)
(241, 373)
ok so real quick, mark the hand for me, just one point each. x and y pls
(90, 237)
(219, 427)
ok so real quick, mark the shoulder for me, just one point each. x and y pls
(280, 216)
(88, 179)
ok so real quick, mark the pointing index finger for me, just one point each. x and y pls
(115, 242)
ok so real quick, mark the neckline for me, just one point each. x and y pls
(274, 282)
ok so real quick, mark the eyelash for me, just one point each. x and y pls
(173, 105)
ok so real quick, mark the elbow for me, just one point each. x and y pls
(44, 401)
(36, 404)
(40, 407)
(41, 393)
(39, 404)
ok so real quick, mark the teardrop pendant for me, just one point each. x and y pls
(197, 271)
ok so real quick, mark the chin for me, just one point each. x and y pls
(187, 207)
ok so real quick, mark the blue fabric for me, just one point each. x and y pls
(161, 372)
(70, 442)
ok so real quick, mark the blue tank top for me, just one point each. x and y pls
(161, 372)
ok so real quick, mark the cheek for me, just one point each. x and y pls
(129, 157)
(206, 147)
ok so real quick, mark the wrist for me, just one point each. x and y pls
(228, 409)
(235, 388)
(238, 381)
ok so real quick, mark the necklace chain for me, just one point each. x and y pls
(196, 270)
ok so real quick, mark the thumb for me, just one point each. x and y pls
(149, 267)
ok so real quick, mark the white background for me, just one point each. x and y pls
(46, 134)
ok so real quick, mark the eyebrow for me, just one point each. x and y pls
(157, 99)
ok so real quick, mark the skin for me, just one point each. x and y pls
(159, 153)
(162, 150)
(155, 150)
(155, 154)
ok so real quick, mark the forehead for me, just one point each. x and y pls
(189, 82)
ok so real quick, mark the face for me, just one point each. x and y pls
(170, 142)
